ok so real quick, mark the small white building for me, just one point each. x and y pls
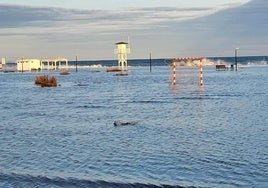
(54, 63)
(28, 65)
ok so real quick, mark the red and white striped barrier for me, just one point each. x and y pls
(177, 60)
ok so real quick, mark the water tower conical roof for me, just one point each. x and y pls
(121, 43)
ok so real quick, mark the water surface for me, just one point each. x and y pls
(215, 136)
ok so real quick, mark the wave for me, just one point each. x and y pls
(96, 66)
(26, 180)
(244, 60)
(151, 101)
(90, 106)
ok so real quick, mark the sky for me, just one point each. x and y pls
(164, 28)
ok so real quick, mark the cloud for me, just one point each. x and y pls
(33, 20)
(218, 34)
(243, 22)
(167, 31)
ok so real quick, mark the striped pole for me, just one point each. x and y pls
(174, 73)
(201, 84)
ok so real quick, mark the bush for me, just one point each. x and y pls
(46, 81)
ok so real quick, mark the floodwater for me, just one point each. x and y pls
(215, 136)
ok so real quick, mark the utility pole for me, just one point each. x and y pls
(150, 62)
(236, 49)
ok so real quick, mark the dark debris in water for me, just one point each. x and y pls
(81, 85)
(123, 123)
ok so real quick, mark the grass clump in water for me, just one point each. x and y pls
(46, 81)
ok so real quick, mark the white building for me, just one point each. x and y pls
(54, 63)
(28, 65)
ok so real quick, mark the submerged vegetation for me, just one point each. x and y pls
(46, 81)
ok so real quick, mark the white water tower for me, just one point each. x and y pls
(122, 50)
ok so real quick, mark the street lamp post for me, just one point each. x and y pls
(150, 62)
(75, 63)
(236, 49)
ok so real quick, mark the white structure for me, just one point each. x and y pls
(54, 63)
(3, 62)
(176, 61)
(28, 65)
(122, 51)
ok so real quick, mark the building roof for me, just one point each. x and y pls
(25, 60)
(121, 43)
(54, 59)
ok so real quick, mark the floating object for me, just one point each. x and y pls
(7, 69)
(81, 84)
(65, 72)
(95, 71)
(123, 73)
(221, 67)
(114, 69)
(122, 123)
